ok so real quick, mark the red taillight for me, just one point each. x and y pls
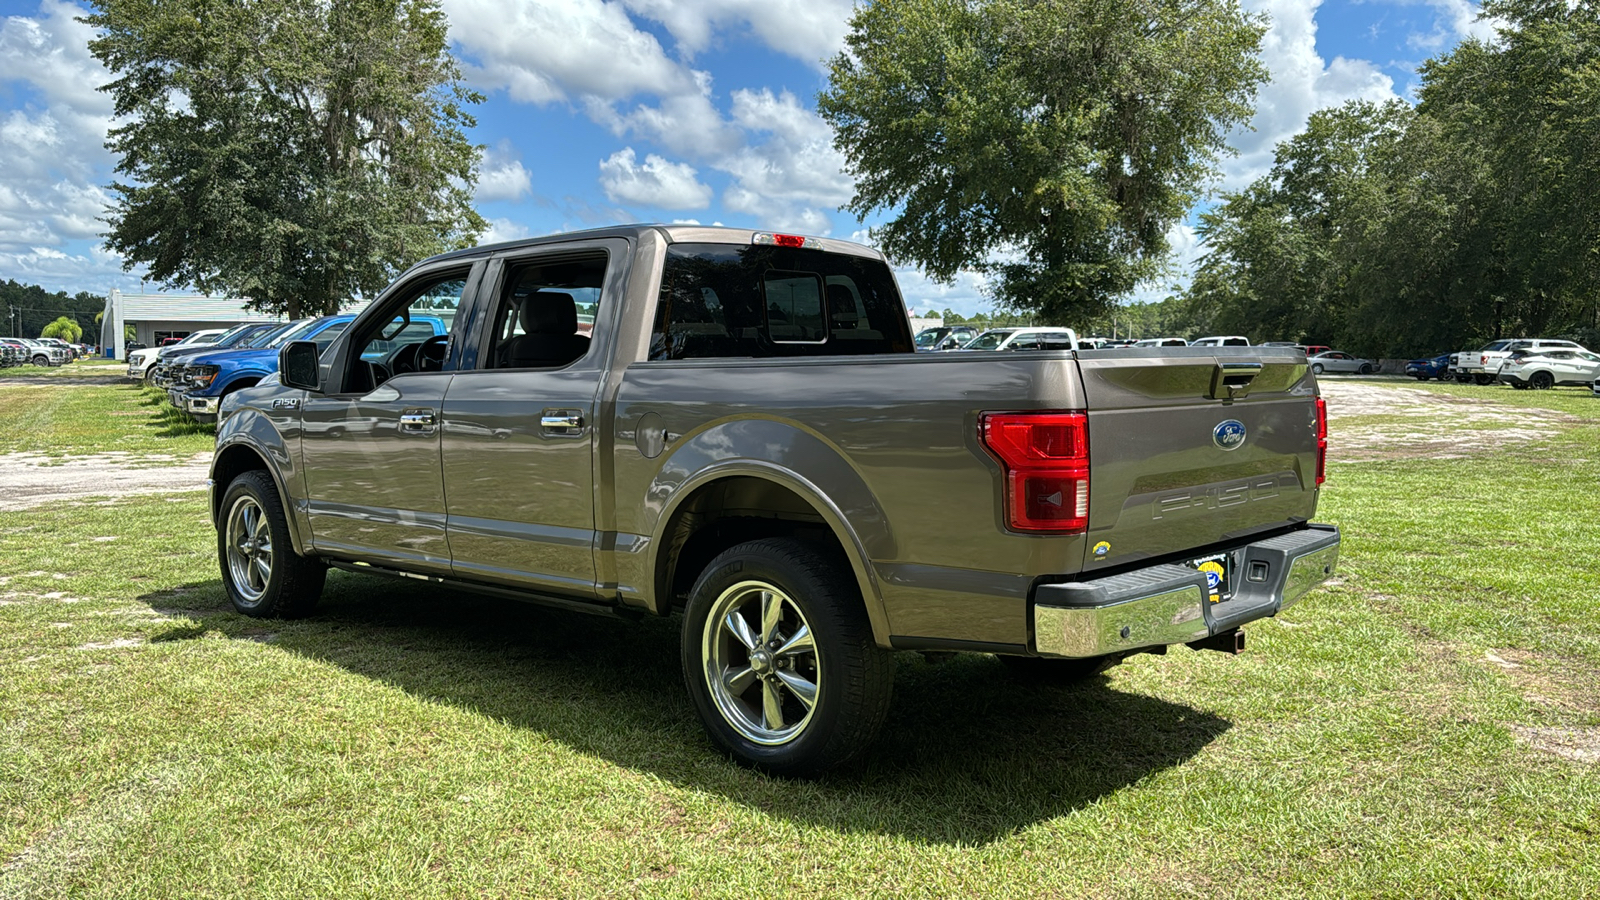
(1322, 440)
(1046, 460)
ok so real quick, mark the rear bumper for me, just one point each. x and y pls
(1170, 604)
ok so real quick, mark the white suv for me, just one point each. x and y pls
(1548, 368)
(1023, 339)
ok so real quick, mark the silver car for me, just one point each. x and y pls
(1340, 361)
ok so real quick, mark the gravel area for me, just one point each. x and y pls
(33, 479)
(1423, 425)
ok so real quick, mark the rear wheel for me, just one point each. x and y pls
(780, 661)
(1482, 379)
(264, 577)
(1541, 381)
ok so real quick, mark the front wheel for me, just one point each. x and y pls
(780, 661)
(41, 360)
(264, 577)
(1366, 368)
(1317, 368)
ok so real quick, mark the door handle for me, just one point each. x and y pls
(561, 421)
(417, 421)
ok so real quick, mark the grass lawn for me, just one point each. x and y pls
(1427, 725)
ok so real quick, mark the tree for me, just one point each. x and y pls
(64, 328)
(295, 154)
(1048, 143)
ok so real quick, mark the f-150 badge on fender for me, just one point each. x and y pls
(1228, 435)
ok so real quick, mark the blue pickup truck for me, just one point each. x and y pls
(198, 388)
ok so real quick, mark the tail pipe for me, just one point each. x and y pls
(1230, 641)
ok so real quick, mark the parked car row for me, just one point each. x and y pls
(1523, 363)
(196, 378)
(36, 351)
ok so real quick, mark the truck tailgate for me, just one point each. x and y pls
(1194, 448)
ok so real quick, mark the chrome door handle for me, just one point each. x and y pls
(417, 422)
(561, 421)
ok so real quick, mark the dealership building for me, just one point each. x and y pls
(155, 317)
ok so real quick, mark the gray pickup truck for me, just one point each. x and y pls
(650, 420)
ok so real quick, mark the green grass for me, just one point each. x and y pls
(59, 418)
(407, 741)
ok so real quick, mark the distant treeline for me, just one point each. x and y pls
(1397, 230)
(26, 308)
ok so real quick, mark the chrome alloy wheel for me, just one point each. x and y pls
(761, 663)
(249, 549)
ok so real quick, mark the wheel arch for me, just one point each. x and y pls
(746, 500)
(240, 456)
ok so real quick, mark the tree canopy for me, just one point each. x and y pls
(1401, 230)
(1048, 143)
(64, 328)
(294, 154)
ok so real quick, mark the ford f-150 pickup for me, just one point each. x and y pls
(734, 426)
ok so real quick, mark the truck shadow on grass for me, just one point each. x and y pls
(968, 755)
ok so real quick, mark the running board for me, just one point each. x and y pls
(489, 590)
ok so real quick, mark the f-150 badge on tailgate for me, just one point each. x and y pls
(1229, 435)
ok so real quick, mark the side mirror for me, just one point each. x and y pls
(299, 365)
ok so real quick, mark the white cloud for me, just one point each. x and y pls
(543, 51)
(687, 124)
(658, 183)
(502, 176)
(502, 230)
(1301, 84)
(53, 155)
(966, 295)
(808, 30)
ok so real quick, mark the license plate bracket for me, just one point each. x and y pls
(1218, 569)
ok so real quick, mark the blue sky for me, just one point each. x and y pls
(606, 111)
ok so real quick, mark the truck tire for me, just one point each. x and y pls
(263, 575)
(1039, 670)
(41, 360)
(1482, 379)
(779, 658)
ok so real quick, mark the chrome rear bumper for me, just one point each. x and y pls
(1170, 603)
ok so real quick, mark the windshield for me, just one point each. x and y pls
(236, 335)
(265, 337)
(293, 332)
(988, 340)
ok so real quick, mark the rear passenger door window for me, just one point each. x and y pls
(546, 313)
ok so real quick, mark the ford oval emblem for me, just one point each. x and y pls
(1229, 435)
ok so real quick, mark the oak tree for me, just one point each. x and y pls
(1048, 143)
(296, 154)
